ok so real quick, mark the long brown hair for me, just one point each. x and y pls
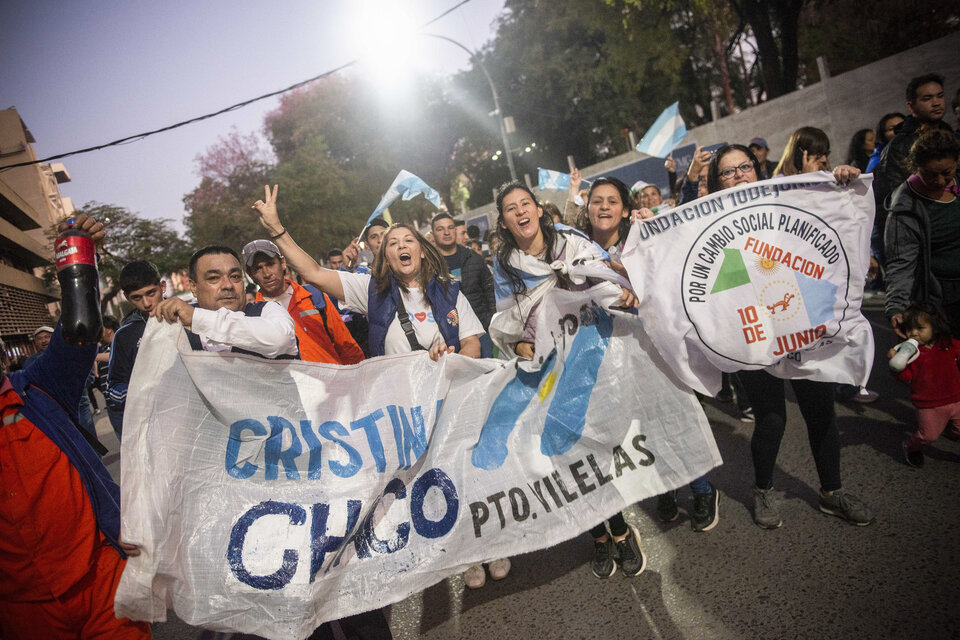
(810, 139)
(508, 244)
(432, 265)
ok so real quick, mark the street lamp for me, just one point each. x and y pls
(496, 99)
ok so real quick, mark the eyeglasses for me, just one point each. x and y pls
(744, 168)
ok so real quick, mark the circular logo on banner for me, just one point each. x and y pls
(765, 282)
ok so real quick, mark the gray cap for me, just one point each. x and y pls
(259, 246)
(758, 142)
(46, 328)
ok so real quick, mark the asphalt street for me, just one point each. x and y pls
(815, 577)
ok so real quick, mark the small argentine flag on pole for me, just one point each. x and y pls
(407, 186)
(665, 134)
(553, 180)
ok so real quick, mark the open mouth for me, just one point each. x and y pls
(524, 223)
(405, 258)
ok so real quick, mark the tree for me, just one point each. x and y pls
(577, 77)
(232, 174)
(130, 237)
(338, 152)
(851, 35)
(774, 21)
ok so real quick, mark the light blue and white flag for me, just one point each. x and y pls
(407, 186)
(582, 259)
(665, 134)
(553, 180)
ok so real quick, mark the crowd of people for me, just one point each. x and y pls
(396, 290)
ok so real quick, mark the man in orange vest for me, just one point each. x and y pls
(321, 332)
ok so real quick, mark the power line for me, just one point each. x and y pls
(140, 136)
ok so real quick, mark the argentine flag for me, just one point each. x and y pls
(407, 186)
(553, 180)
(665, 134)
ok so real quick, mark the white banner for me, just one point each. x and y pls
(271, 496)
(766, 275)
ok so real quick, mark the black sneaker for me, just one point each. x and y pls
(847, 506)
(604, 564)
(706, 512)
(668, 509)
(913, 458)
(632, 558)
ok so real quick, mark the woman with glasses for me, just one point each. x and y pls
(733, 165)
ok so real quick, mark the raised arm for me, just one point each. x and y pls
(326, 280)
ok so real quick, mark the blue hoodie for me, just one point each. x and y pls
(51, 388)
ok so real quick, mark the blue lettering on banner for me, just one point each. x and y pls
(274, 453)
(328, 430)
(424, 526)
(407, 425)
(365, 540)
(314, 464)
(238, 535)
(409, 441)
(369, 426)
(247, 469)
(321, 543)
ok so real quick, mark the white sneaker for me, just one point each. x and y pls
(499, 569)
(475, 576)
(865, 396)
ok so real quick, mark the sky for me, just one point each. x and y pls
(88, 72)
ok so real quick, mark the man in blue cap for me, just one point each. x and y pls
(760, 149)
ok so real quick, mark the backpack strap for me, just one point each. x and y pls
(319, 309)
(408, 326)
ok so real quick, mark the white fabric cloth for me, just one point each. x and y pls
(581, 259)
(355, 297)
(270, 334)
(284, 298)
(767, 275)
(239, 475)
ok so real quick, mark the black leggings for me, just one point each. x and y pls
(816, 405)
(618, 527)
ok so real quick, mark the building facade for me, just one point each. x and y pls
(30, 204)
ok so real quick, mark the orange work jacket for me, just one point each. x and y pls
(320, 342)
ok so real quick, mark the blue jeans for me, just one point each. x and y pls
(116, 420)
(85, 416)
(701, 486)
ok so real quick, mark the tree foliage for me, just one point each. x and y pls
(232, 174)
(130, 237)
(850, 34)
(577, 76)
